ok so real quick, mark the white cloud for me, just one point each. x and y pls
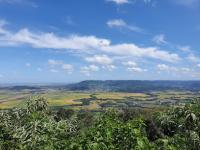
(119, 23)
(198, 65)
(185, 69)
(103, 60)
(100, 59)
(134, 50)
(59, 64)
(132, 66)
(185, 48)
(88, 69)
(119, 2)
(163, 67)
(20, 2)
(2, 24)
(159, 39)
(172, 69)
(136, 69)
(68, 68)
(109, 67)
(1, 76)
(83, 44)
(193, 58)
(187, 3)
(50, 40)
(116, 23)
(28, 65)
(130, 63)
(53, 62)
(54, 70)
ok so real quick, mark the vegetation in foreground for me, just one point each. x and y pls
(37, 127)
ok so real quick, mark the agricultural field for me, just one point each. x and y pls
(97, 100)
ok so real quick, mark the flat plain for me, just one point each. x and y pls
(97, 100)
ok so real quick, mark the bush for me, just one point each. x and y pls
(36, 127)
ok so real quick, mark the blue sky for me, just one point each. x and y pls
(74, 40)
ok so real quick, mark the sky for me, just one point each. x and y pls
(74, 40)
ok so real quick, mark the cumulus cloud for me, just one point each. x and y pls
(81, 43)
(193, 58)
(88, 69)
(60, 65)
(132, 66)
(50, 40)
(136, 69)
(130, 63)
(67, 67)
(121, 24)
(172, 69)
(119, 2)
(134, 50)
(109, 67)
(103, 60)
(185, 69)
(159, 39)
(185, 48)
(164, 67)
(99, 59)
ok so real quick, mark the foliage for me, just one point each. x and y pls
(181, 126)
(111, 133)
(33, 128)
(38, 127)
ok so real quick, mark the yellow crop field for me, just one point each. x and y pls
(10, 104)
(117, 95)
(93, 100)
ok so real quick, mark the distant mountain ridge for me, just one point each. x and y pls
(133, 85)
(116, 86)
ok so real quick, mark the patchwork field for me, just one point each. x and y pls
(97, 100)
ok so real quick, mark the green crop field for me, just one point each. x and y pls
(96, 100)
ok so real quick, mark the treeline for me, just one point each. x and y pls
(39, 128)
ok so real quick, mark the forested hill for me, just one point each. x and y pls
(133, 85)
(114, 86)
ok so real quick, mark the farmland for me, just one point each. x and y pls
(57, 117)
(97, 100)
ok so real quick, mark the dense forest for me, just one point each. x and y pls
(39, 127)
